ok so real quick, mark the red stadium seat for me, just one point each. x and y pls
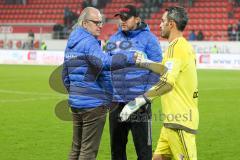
(206, 15)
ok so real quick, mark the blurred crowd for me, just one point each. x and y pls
(62, 31)
(94, 3)
(234, 32)
(193, 36)
(70, 18)
(15, 2)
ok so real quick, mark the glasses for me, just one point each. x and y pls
(97, 23)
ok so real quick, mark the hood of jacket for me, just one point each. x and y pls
(78, 35)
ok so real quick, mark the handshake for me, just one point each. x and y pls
(156, 67)
(140, 59)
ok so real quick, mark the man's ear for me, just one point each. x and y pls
(84, 24)
(138, 20)
(172, 23)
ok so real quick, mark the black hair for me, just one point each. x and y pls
(179, 16)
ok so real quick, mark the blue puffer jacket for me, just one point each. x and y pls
(131, 82)
(85, 69)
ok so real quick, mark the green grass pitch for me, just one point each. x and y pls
(30, 130)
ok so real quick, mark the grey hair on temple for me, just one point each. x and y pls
(179, 15)
(83, 16)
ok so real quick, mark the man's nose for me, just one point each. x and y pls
(100, 26)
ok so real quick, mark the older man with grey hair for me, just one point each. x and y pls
(85, 77)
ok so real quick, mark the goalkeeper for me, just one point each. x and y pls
(177, 88)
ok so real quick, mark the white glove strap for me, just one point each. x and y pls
(132, 107)
(140, 101)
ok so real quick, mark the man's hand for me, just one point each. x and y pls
(142, 59)
(132, 107)
(139, 57)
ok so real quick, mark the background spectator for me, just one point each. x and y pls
(192, 36)
(67, 16)
(58, 31)
(200, 36)
(230, 9)
(238, 30)
(85, 4)
(95, 3)
(10, 1)
(102, 3)
(190, 3)
(229, 30)
(31, 38)
(234, 33)
(238, 3)
(26, 45)
(43, 46)
(24, 2)
(181, 2)
(214, 49)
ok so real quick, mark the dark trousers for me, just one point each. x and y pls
(140, 125)
(88, 126)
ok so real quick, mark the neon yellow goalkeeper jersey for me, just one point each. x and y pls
(180, 105)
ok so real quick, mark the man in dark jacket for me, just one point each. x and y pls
(83, 73)
(128, 83)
